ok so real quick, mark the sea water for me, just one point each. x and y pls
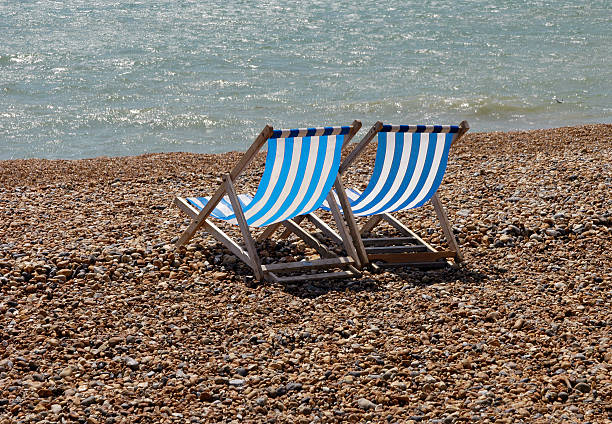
(84, 78)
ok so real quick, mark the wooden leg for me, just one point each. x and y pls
(350, 220)
(372, 222)
(446, 228)
(344, 233)
(244, 227)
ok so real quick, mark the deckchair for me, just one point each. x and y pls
(408, 169)
(300, 169)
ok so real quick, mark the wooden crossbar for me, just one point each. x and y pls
(413, 257)
(304, 265)
(387, 241)
(313, 277)
(395, 249)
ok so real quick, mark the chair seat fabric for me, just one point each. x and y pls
(408, 169)
(300, 170)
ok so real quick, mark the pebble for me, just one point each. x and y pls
(363, 403)
(519, 332)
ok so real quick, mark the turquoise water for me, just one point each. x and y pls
(90, 78)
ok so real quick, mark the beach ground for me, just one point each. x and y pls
(103, 321)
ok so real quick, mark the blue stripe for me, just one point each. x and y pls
(378, 166)
(311, 132)
(386, 128)
(414, 154)
(267, 175)
(397, 158)
(293, 133)
(437, 128)
(440, 172)
(276, 134)
(421, 128)
(454, 129)
(318, 169)
(278, 184)
(331, 177)
(431, 144)
(299, 177)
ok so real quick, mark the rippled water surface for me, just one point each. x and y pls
(89, 78)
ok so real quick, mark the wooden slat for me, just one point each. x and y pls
(395, 249)
(244, 227)
(405, 230)
(314, 277)
(423, 265)
(412, 257)
(304, 265)
(388, 241)
(446, 227)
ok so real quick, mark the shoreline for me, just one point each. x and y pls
(101, 318)
(360, 134)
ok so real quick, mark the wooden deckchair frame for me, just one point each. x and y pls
(417, 254)
(390, 250)
(250, 255)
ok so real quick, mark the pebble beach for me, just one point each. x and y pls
(102, 320)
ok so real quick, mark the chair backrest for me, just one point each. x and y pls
(408, 169)
(301, 167)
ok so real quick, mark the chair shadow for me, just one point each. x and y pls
(377, 282)
(369, 281)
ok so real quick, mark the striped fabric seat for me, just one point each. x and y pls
(301, 167)
(408, 169)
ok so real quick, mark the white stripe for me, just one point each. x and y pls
(287, 184)
(197, 201)
(329, 160)
(435, 165)
(306, 181)
(398, 177)
(224, 209)
(276, 170)
(388, 160)
(418, 170)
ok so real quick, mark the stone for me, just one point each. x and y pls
(131, 363)
(363, 403)
(583, 387)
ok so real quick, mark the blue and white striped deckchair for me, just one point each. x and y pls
(408, 170)
(300, 170)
